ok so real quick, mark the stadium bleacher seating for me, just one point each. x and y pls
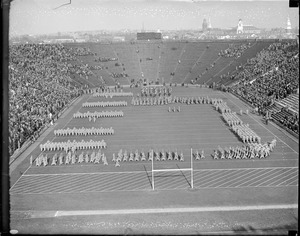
(292, 102)
(267, 74)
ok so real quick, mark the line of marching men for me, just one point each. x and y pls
(111, 90)
(149, 101)
(70, 158)
(84, 131)
(246, 134)
(231, 118)
(251, 151)
(196, 100)
(113, 94)
(170, 100)
(142, 156)
(222, 107)
(66, 146)
(156, 91)
(98, 114)
(105, 104)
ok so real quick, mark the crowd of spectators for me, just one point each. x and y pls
(80, 69)
(235, 50)
(272, 75)
(39, 88)
(81, 51)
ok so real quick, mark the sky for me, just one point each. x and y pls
(35, 17)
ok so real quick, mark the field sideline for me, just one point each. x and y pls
(260, 182)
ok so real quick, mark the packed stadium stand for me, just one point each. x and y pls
(44, 78)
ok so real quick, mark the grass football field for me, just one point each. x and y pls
(227, 196)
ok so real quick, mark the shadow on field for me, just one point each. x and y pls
(149, 177)
(184, 176)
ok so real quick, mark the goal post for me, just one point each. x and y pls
(172, 170)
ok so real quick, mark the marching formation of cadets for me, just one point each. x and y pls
(163, 100)
(253, 150)
(70, 158)
(98, 114)
(156, 91)
(174, 109)
(105, 104)
(246, 134)
(84, 131)
(231, 118)
(113, 94)
(66, 146)
(198, 156)
(150, 156)
(222, 107)
(105, 89)
(243, 131)
(149, 101)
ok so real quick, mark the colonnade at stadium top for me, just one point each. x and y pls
(170, 62)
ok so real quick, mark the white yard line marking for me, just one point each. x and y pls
(205, 182)
(113, 181)
(264, 173)
(80, 188)
(19, 178)
(142, 182)
(287, 180)
(238, 178)
(263, 126)
(293, 183)
(241, 187)
(276, 176)
(143, 171)
(170, 184)
(176, 210)
(134, 190)
(208, 175)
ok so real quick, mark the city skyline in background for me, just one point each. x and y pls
(36, 17)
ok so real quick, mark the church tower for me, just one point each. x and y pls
(240, 28)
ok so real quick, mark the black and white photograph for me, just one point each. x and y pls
(150, 117)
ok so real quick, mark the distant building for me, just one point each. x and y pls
(240, 27)
(288, 26)
(209, 24)
(204, 25)
(250, 29)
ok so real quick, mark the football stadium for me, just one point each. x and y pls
(154, 137)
